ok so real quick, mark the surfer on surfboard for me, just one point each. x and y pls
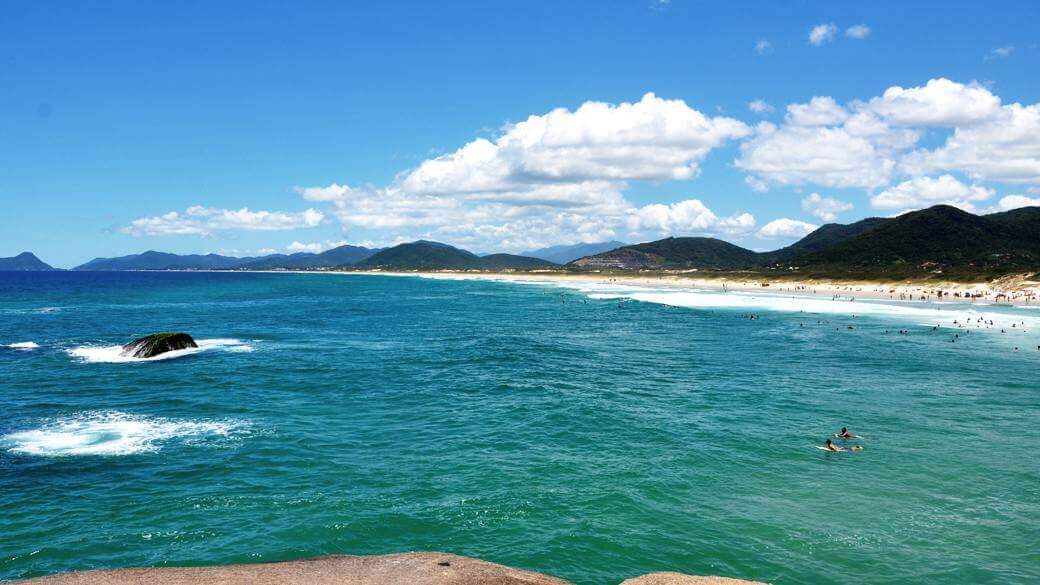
(830, 446)
(845, 434)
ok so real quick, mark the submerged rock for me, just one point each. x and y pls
(414, 568)
(158, 343)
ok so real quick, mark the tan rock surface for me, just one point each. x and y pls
(414, 568)
(418, 568)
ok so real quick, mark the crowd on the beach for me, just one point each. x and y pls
(996, 295)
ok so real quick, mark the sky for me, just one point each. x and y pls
(247, 128)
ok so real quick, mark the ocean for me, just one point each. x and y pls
(592, 432)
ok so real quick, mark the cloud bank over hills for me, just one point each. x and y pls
(566, 176)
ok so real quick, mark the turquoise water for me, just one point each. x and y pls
(591, 434)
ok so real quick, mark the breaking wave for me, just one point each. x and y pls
(113, 354)
(981, 315)
(111, 433)
(23, 346)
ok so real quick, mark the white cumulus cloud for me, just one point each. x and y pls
(552, 178)
(1003, 148)
(858, 31)
(786, 228)
(685, 218)
(654, 138)
(921, 192)
(869, 143)
(820, 111)
(1009, 202)
(1001, 52)
(314, 247)
(203, 221)
(822, 33)
(822, 155)
(940, 102)
(825, 208)
(563, 176)
(760, 106)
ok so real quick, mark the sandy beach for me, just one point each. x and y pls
(1010, 290)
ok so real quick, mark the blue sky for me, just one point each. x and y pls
(115, 115)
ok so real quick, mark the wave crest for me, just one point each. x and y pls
(113, 354)
(109, 434)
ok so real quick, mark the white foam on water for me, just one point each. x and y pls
(113, 354)
(33, 311)
(23, 346)
(910, 311)
(923, 314)
(109, 434)
(942, 313)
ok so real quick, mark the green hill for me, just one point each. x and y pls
(340, 256)
(565, 254)
(938, 240)
(674, 253)
(828, 235)
(425, 255)
(24, 262)
(941, 238)
(422, 255)
(513, 262)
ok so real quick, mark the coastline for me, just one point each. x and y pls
(1013, 291)
(490, 303)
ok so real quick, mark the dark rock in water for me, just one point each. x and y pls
(159, 343)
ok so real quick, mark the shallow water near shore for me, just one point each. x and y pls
(589, 432)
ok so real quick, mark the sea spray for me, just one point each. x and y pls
(113, 354)
(942, 313)
(110, 433)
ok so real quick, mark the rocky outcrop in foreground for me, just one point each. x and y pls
(158, 343)
(417, 568)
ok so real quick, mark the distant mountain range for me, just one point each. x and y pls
(424, 255)
(565, 254)
(411, 256)
(24, 262)
(940, 239)
(151, 260)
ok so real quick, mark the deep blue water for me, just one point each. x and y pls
(593, 435)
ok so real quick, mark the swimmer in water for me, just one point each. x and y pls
(830, 446)
(845, 434)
